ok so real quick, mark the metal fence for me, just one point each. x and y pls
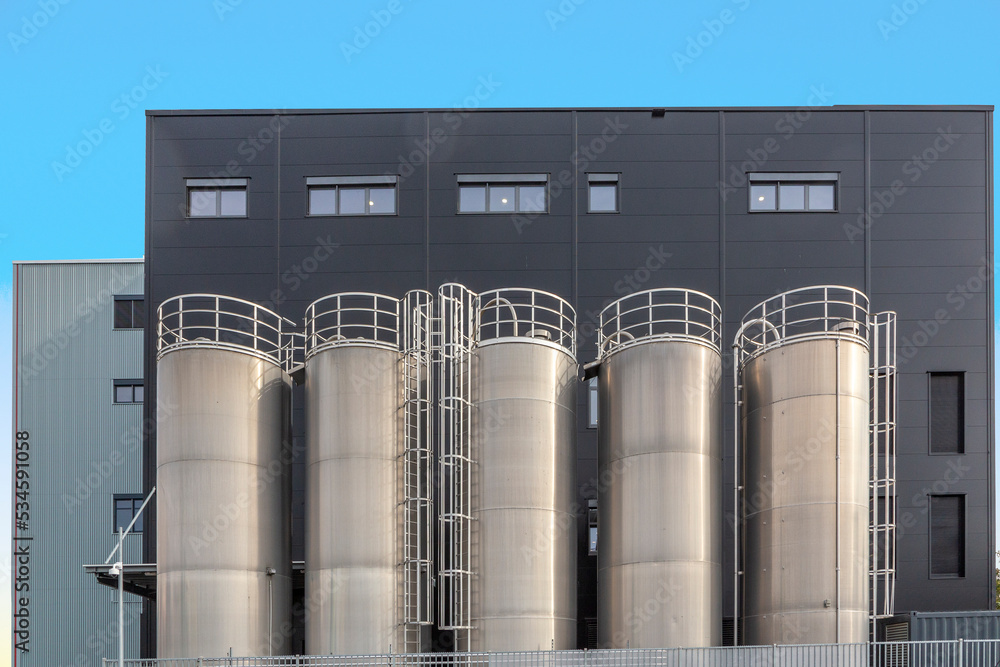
(957, 653)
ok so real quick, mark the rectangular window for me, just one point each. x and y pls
(592, 403)
(126, 507)
(128, 391)
(217, 197)
(503, 193)
(947, 413)
(791, 191)
(130, 312)
(351, 195)
(592, 527)
(602, 193)
(947, 535)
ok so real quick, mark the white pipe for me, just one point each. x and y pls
(121, 598)
(837, 431)
(736, 493)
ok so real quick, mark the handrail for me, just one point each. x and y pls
(525, 312)
(350, 318)
(213, 320)
(807, 312)
(667, 313)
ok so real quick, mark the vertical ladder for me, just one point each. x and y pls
(453, 354)
(882, 480)
(416, 466)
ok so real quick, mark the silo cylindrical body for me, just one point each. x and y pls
(353, 495)
(524, 535)
(660, 515)
(805, 419)
(223, 458)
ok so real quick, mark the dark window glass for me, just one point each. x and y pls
(947, 413)
(130, 313)
(127, 391)
(947, 536)
(127, 507)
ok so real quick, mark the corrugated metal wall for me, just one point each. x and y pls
(83, 449)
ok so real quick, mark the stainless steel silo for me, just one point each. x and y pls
(660, 458)
(223, 460)
(523, 528)
(367, 560)
(803, 361)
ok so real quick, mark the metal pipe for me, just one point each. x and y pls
(736, 493)
(121, 598)
(837, 432)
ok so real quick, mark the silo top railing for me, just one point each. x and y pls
(660, 314)
(211, 320)
(523, 312)
(352, 318)
(822, 311)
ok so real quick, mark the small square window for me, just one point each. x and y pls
(126, 507)
(501, 198)
(216, 198)
(763, 197)
(472, 199)
(322, 201)
(603, 198)
(792, 197)
(352, 201)
(128, 391)
(382, 200)
(821, 197)
(531, 198)
(130, 312)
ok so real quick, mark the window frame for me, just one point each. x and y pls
(593, 402)
(593, 527)
(777, 179)
(930, 413)
(930, 536)
(137, 500)
(132, 299)
(516, 181)
(337, 183)
(605, 179)
(217, 185)
(133, 383)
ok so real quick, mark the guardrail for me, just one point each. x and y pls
(515, 311)
(660, 314)
(956, 653)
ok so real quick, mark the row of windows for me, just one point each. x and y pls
(495, 193)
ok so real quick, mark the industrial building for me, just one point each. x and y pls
(77, 416)
(464, 380)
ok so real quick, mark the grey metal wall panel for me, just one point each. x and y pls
(84, 448)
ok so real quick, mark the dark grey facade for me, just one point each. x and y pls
(912, 229)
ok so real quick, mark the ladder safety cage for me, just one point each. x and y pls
(882, 481)
(222, 322)
(417, 314)
(453, 337)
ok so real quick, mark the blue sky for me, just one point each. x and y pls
(77, 77)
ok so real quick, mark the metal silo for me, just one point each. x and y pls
(803, 496)
(224, 489)
(508, 470)
(660, 456)
(368, 502)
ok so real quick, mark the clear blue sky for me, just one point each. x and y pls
(75, 71)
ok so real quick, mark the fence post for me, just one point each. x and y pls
(774, 655)
(961, 651)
